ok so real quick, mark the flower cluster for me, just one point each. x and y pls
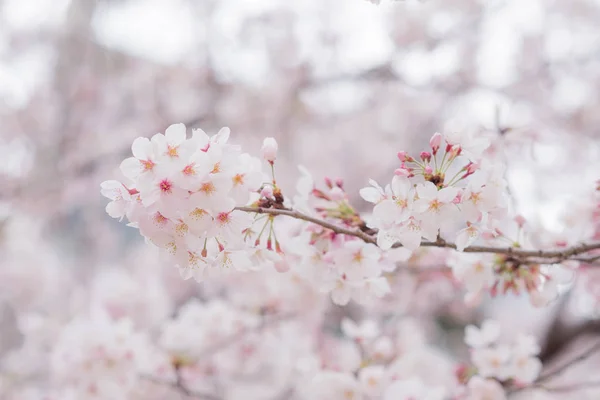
(496, 363)
(182, 193)
(341, 264)
(215, 339)
(503, 273)
(99, 358)
(393, 366)
(449, 192)
(181, 338)
(210, 208)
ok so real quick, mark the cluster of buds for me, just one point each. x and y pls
(434, 165)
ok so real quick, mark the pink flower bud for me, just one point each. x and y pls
(455, 151)
(435, 142)
(319, 194)
(404, 157)
(339, 182)
(328, 182)
(520, 220)
(472, 167)
(269, 149)
(425, 156)
(428, 170)
(267, 192)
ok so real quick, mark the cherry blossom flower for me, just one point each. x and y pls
(142, 165)
(120, 196)
(269, 149)
(493, 362)
(372, 380)
(474, 271)
(435, 207)
(398, 206)
(487, 335)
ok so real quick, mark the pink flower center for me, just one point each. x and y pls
(223, 218)
(208, 188)
(148, 165)
(189, 170)
(160, 219)
(172, 151)
(238, 180)
(435, 205)
(402, 203)
(165, 186)
(198, 213)
(475, 197)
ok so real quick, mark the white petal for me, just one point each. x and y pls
(115, 209)
(427, 190)
(446, 195)
(175, 134)
(222, 136)
(465, 238)
(370, 194)
(401, 186)
(131, 167)
(142, 148)
(385, 240)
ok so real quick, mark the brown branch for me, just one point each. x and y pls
(543, 256)
(572, 387)
(581, 357)
(539, 383)
(235, 338)
(179, 386)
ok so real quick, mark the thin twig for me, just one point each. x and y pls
(545, 256)
(179, 384)
(235, 338)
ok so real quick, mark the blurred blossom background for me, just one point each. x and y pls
(343, 85)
